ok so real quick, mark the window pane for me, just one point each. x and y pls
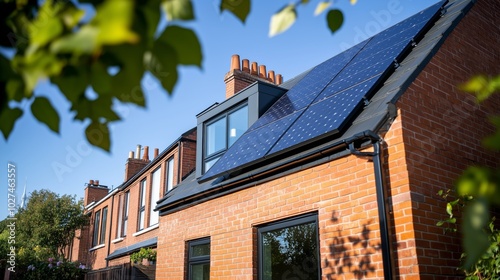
(200, 250)
(103, 225)
(200, 271)
(238, 124)
(143, 193)
(141, 219)
(97, 217)
(216, 136)
(155, 196)
(170, 174)
(290, 252)
(210, 163)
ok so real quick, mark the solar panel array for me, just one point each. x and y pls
(327, 98)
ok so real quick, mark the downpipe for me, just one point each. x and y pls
(381, 197)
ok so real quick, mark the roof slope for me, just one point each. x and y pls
(373, 110)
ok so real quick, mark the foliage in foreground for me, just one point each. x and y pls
(53, 270)
(97, 52)
(477, 193)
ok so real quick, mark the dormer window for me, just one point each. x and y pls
(222, 124)
(222, 132)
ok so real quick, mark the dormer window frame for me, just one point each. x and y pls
(258, 97)
(214, 155)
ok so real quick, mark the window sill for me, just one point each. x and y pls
(145, 230)
(96, 247)
(117, 240)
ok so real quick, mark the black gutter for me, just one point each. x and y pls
(381, 197)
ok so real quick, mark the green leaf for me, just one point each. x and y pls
(482, 86)
(84, 41)
(44, 112)
(46, 25)
(449, 209)
(72, 81)
(178, 9)
(440, 223)
(322, 6)
(8, 118)
(185, 44)
(282, 20)
(475, 240)
(492, 142)
(162, 63)
(239, 8)
(126, 84)
(100, 78)
(335, 19)
(96, 110)
(113, 19)
(98, 135)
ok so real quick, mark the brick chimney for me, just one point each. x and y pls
(135, 164)
(241, 75)
(94, 192)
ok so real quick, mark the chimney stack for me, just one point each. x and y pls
(135, 164)
(94, 192)
(240, 75)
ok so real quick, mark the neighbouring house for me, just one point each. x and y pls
(123, 220)
(332, 174)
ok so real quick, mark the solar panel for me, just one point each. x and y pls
(325, 117)
(327, 98)
(252, 145)
(304, 92)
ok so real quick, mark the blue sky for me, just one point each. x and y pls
(64, 162)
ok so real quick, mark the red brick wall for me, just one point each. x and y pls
(133, 166)
(436, 135)
(442, 129)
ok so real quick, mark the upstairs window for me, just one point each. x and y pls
(170, 174)
(142, 206)
(103, 225)
(155, 196)
(126, 201)
(222, 132)
(95, 239)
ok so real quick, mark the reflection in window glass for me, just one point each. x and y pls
(199, 259)
(290, 250)
(216, 136)
(238, 124)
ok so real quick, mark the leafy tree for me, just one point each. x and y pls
(46, 227)
(478, 191)
(108, 53)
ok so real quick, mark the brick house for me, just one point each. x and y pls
(334, 174)
(123, 220)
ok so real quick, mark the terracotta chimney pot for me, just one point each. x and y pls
(145, 157)
(246, 66)
(254, 70)
(279, 79)
(262, 72)
(155, 152)
(271, 76)
(235, 62)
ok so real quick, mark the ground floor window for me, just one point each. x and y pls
(199, 259)
(289, 249)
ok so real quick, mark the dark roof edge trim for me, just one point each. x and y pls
(312, 157)
(434, 49)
